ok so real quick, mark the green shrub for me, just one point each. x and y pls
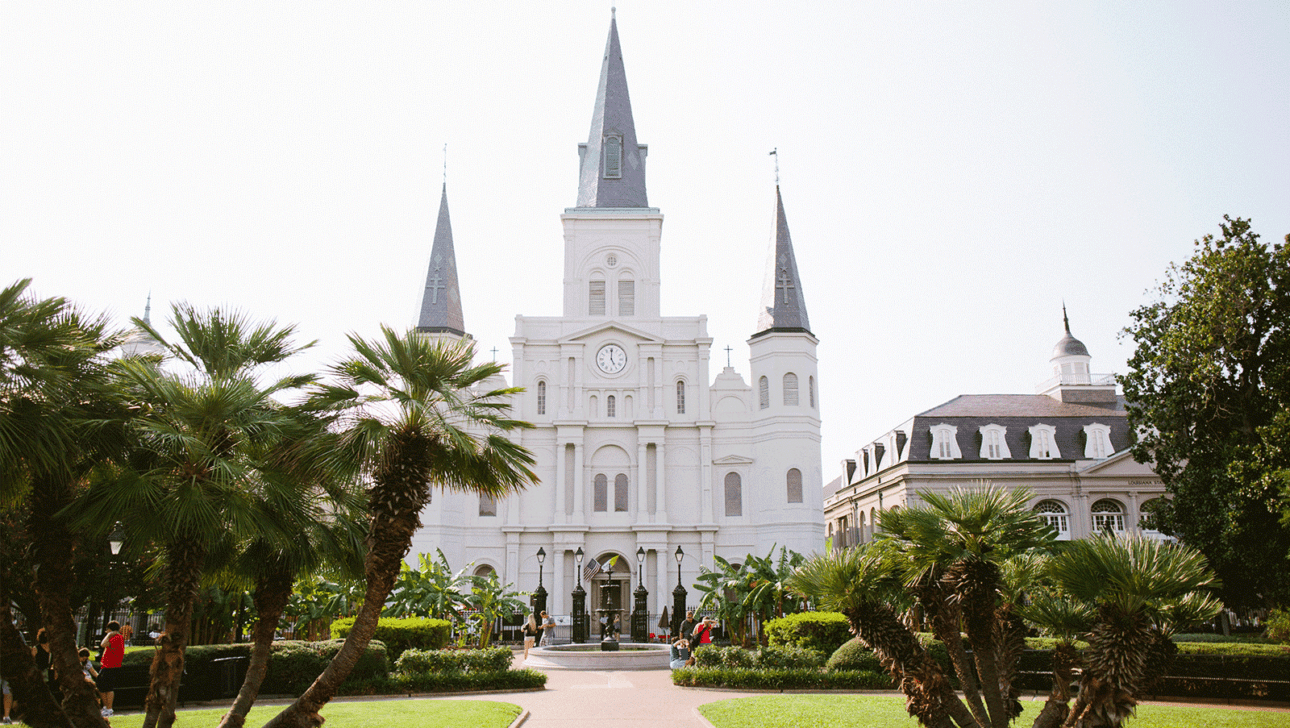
(750, 679)
(732, 656)
(401, 634)
(788, 658)
(1212, 637)
(493, 659)
(404, 683)
(823, 632)
(293, 664)
(1278, 629)
(1232, 649)
(853, 655)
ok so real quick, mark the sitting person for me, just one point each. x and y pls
(680, 654)
(87, 667)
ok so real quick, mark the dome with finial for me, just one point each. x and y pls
(1068, 345)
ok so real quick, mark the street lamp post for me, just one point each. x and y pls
(678, 596)
(640, 619)
(579, 610)
(539, 594)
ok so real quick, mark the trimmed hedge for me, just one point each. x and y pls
(823, 632)
(800, 679)
(853, 655)
(1248, 638)
(425, 682)
(293, 664)
(493, 659)
(401, 634)
(765, 658)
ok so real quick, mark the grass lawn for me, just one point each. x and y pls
(881, 711)
(405, 713)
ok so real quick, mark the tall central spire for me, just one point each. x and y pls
(613, 164)
(441, 304)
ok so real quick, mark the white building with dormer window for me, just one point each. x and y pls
(1068, 442)
(639, 447)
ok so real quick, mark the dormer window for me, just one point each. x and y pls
(945, 444)
(1043, 442)
(1097, 441)
(613, 157)
(994, 444)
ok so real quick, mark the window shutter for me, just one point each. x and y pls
(596, 303)
(626, 298)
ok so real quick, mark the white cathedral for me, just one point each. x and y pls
(638, 447)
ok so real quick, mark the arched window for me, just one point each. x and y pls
(1149, 521)
(611, 406)
(680, 397)
(994, 443)
(596, 298)
(487, 505)
(613, 157)
(627, 297)
(790, 390)
(945, 445)
(1097, 441)
(620, 493)
(763, 386)
(1043, 442)
(541, 397)
(794, 485)
(810, 389)
(734, 495)
(1108, 515)
(484, 570)
(600, 493)
(1054, 514)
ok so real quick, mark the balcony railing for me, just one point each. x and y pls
(1091, 380)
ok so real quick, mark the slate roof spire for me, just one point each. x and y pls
(441, 304)
(612, 170)
(783, 304)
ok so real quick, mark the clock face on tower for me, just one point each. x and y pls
(611, 359)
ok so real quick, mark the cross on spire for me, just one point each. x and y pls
(785, 282)
(494, 353)
(728, 356)
(775, 153)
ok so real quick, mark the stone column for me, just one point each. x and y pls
(560, 511)
(556, 600)
(638, 472)
(660, 476)
(579, 488)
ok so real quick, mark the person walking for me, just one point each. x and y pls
(113, 645)
(548, 630)
(530, 631)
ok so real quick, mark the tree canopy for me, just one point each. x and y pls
(1209, 394)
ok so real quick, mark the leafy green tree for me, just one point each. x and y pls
(491, 600)
(420, 415)
(1209, 394)
(432, 589)
(202, 429)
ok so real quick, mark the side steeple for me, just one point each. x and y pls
(783, 305)
(441, 304)
(612, 163)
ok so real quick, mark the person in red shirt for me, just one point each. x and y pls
(113, 645)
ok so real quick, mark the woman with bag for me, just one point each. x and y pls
(530, 631)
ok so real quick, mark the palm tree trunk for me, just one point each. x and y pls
(40, 710)
(977, 591)
(396, 500)
(271, 596)
(929, 696)
(1056, 708)
(54, 577)
(945, 617)
(183, 574)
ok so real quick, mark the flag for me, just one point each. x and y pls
(591, 569)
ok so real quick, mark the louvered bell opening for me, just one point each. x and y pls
(626, 298)
(613, 157)
(596, 303)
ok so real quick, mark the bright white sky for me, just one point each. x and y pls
(951, 171)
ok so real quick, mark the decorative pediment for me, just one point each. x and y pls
(733, 460)
(1121, 463)
(601, 328)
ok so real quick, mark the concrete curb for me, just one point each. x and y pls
(699, 717)
(519, 719)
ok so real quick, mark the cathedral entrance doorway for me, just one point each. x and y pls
(611, 592)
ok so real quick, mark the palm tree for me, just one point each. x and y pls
(953, 549)
(323, 528)
(200, 436)
(1139, 588)
(417, 420)
(54, 424)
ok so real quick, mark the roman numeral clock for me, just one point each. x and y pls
(611, 359)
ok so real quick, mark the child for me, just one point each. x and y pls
(87, 667)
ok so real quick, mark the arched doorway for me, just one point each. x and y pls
(610, 591)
